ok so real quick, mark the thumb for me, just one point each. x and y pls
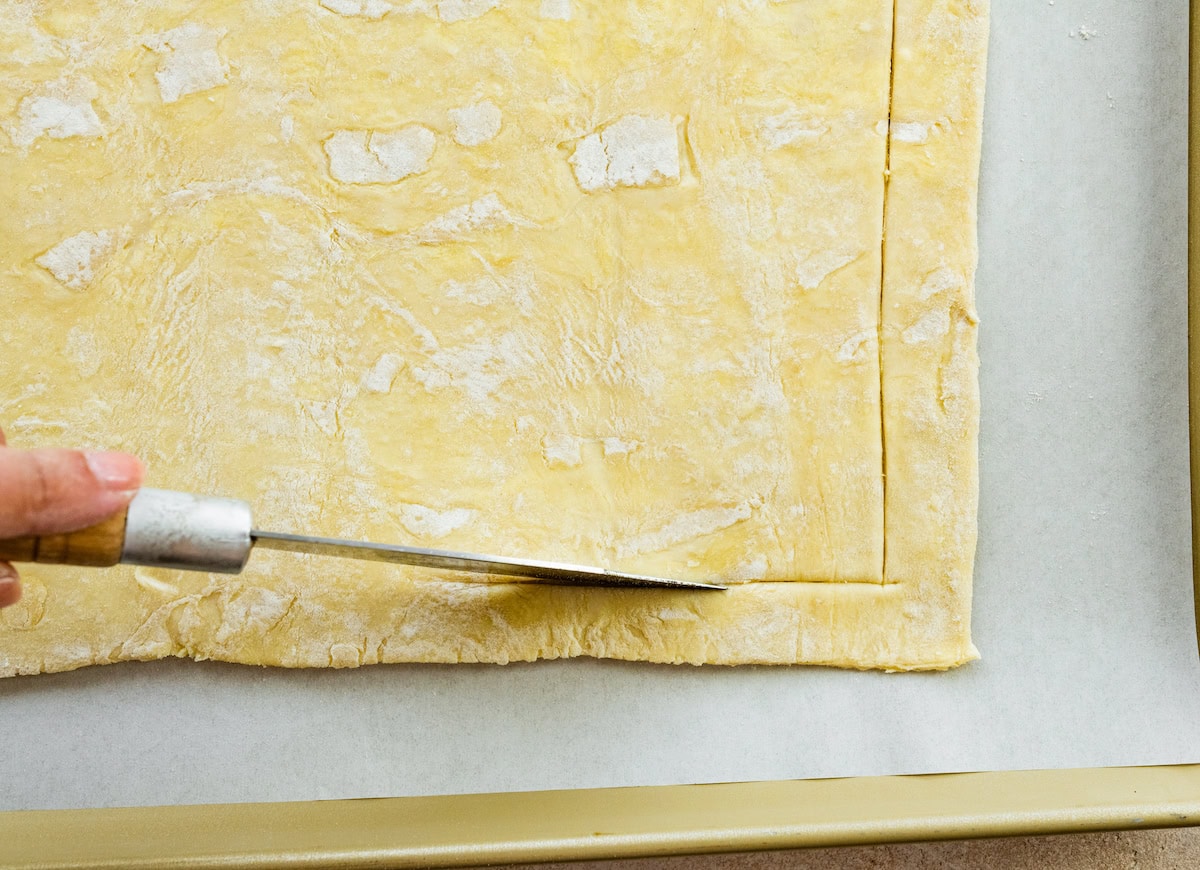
(52, 491)
(10, 585)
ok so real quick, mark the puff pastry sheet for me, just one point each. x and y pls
(681, 288)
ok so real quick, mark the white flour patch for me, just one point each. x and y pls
(203, 191)
(369, 157)
(324, 414)
(475, 124)
(931, 325)
(479, 368)
(482, 291)
(287, 128)
(73, 260)
(748, 464)
(556, 10)
(253, 611)
(63, 112)
(633, 151)
(766, 384)
(617, 447)
(189, 63)
(562, 451)
(27, 424)
(859, 346)
(432, 523)
(514, 287)
(814, 268)
(912, 132)
(485, 213)
(83, 351)
(751, 569)
(686, 527)
(791, 128)
(940, 281)
(461, 10)
(379, 378)
(424, 335)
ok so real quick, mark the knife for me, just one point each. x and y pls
(165, 529)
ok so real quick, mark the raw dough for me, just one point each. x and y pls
(587, 281)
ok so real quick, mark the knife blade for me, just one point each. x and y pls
(166, 529)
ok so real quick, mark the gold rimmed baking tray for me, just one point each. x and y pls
(463, 830)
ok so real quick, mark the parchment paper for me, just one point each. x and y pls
(1083, 590)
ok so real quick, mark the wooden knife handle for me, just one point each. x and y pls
(97, 546)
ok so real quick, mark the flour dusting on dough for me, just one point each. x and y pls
(618, 447)
(61, 112)
(84, 351)
(939, 281)
(202, 191)
(514, 287)
(373, 9)
(913, 133)
(563, 451)
(73, 260)
(190, 62)
(429, 522)
(475, 124)
(685, 527)
(556, 10)
(252, 610)
(461, 10)
(485, 213)
(815, 267)
(479, 368)
(448, 11)
(791, 128)
(860, 346)
(633, 151)
(932, 324)
(370, 157)
(751, 569)
(379, 379)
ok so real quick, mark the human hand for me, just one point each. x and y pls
(49, 492)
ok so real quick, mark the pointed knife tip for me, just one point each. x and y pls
(714, 587)
(666, 583)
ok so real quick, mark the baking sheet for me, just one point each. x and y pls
(1083, 603)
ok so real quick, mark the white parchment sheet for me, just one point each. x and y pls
(1083, 592)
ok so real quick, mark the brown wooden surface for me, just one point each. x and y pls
(1124, 850)
(96, 546)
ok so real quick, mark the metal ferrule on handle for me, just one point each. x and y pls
(166, 529)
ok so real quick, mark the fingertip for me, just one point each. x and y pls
(50, 491)
(10, 585)
(118, 472)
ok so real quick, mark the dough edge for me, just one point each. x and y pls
(919, 620)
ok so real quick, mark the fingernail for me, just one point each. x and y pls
(116, 471)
